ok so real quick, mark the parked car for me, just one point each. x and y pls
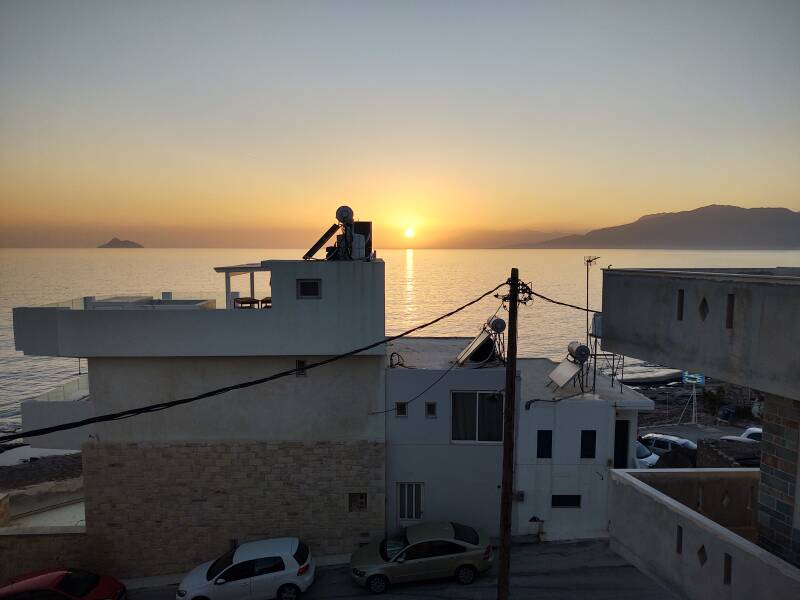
(63, 584)
(280, 568)
(424, 551)
(751, 435)
(661, 443)
(644, 458)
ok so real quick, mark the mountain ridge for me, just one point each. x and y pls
(712, 227)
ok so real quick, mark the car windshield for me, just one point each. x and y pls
(78, 583)
(390, 547)
(466, 534)
(219, 565)
(642, 451)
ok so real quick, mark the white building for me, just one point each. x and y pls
(444, 449)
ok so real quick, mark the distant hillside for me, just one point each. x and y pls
(118, 243)
(714, 227)
(490, 238)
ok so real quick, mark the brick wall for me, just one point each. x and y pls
(23, 550)
(164, 508)
(778, 532)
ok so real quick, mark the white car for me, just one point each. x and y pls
(661, 443)
(279, 568)
(644, 458)
(751, 435)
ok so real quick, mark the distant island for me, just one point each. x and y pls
(714, 227)
(118, 243)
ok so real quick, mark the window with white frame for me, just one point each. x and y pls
(409, 501)
(477, 417)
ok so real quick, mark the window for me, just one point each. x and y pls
(223, 562)
(565, 501)
(660, 444)
(309, 288)
(243, 570)
(726, 576)
(729, 311)
(430, 410)
(544, 443)
(588, 443)
(78, 583)
(464, 533)
(679, 540)
(409, 501)
(301, 554)
(477, 416)
(357, 502)
(445, 548)
(300, 368)
(401, 409)
(419, 551)
(680, 305)
(271, 564)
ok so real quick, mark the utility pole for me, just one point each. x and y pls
(507, 489)
(589, 260)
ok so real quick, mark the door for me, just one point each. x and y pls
(234, 582)
(413, 563)
(621, 433)
(269, 574)
(445, 557)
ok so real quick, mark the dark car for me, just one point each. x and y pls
(63, 584)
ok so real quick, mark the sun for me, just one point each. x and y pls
(409, 233)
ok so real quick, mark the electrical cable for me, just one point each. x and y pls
(581, 308)
(422, 393)
(126, 414)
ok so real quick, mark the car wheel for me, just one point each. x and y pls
(377, 584)
(288, 592)
(465, 574)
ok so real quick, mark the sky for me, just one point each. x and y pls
(245, 124)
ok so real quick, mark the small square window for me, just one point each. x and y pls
(401, 409)
(300, 368)
(357, 502)
(309, 288)
(430, 410)
(588, 443)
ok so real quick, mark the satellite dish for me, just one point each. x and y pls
(344, 214)
(496, 324)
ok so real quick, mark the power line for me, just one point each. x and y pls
(581, 308)
(151, 408)
(418, 396)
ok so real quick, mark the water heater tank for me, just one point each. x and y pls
(579, 352)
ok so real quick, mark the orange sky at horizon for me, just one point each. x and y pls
(250, 126)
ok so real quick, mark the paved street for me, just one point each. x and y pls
(543, 571)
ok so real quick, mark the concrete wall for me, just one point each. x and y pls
(643, 529)
(164, 508)
(779, 501)
(332, 402)
(43, 413)
(759, 351)
(461, 480)
(349, 314)
(23, 550)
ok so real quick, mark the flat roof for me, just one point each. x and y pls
(428, 352)
(788, 275)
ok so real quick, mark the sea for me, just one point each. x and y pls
(420, 285)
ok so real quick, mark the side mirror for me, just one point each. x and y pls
(219, 581)
(401, 559)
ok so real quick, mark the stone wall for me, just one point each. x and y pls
(23, 550)
(164, 508)
(779, 525)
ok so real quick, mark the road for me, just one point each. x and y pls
(552, 571)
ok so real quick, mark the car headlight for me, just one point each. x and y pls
(359, 573)
(180, 593)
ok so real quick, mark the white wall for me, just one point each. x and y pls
(759, 351)
(349, 315)
(333, 402)
(643, 530)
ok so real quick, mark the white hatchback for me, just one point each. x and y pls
(277, 568)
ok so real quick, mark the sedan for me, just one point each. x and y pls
(425, 551)
(63, 584)
(276, 568)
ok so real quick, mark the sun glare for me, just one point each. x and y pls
(409, 232)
